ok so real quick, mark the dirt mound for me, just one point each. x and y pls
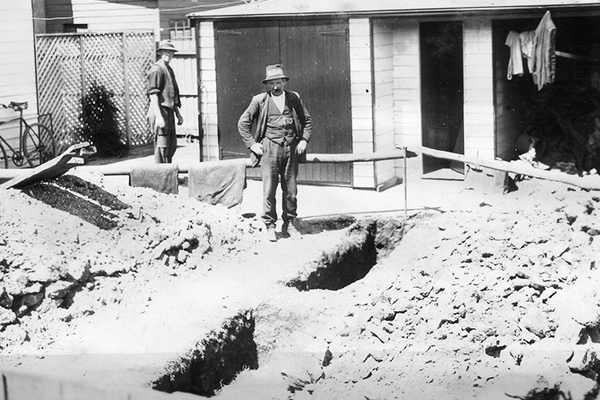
(70, 239)
(491, 302)
(487, 302)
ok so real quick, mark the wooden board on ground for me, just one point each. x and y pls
(74, 155)
(590, 182)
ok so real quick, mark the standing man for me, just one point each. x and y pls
(282, 131)
(164, 104)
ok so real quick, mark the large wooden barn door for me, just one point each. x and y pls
(315, 56)
(242, 51)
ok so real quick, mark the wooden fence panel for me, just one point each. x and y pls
(68, 64)
(184, 66)
(140, 55)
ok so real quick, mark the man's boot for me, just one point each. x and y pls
(270, 233)
(289, 230)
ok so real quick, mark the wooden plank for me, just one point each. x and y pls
(23, 386)
(30, 387)
(79, 391)
(588, 182)
(184, 167)
(357, 157)
(74, 155)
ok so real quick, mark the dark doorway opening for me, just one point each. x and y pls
(555, 126)
(442, 95)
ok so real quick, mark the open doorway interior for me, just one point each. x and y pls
(554, 125)
(442, 95)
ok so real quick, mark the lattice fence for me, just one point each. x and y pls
(68, 64)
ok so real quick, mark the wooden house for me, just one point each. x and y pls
(380, 74)
(166, 18)
(70, 16)
(17, 66)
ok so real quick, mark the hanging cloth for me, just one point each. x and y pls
(538, 47)
(515, 63)
(544, 59)
(527, 47)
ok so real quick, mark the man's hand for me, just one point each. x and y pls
(179, 117)
(301, 148)
(257, 149)
(159, 121)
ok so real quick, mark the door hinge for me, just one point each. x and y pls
(342, 33)
(227, 33)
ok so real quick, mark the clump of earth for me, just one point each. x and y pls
(496, 300)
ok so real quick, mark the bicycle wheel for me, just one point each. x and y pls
(38, 144)
(3, 157)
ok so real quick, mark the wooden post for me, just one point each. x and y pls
(405, 187)
(82, 62)
(126, 90)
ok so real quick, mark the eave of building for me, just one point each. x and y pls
(268, 9)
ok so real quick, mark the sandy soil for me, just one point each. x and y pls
(488, 297)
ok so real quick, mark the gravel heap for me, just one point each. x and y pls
(49, 258)
(496, 301)
(500, 299)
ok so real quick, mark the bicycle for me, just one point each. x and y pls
(36, 142)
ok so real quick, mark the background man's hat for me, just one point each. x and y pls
(166, 45)
(274, 72)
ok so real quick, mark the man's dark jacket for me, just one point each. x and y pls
(252, 125)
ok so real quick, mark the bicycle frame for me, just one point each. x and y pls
(17, 155)
(21, 154)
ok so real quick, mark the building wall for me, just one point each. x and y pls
(407, 92)
(383, 112)
(362, 101)
(396, 103)
(18, 81)
(177, 10)
(478, 89)
(39, 16)
(208, 92)
(102, 15)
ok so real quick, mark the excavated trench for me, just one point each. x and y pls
(365, 244)
(223, 354)
(215, 361)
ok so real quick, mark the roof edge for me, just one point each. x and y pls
(422, 12)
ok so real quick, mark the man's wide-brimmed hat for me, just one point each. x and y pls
(274, 72)
(166, 45)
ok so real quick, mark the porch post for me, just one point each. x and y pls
(479, 89)
(361, 87)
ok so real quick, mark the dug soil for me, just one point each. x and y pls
(491, 297)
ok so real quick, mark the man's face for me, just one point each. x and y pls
(276, 86)
(167, 55)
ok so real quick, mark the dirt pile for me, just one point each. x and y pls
(482, 302)
(492, 302)
(70, 239)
